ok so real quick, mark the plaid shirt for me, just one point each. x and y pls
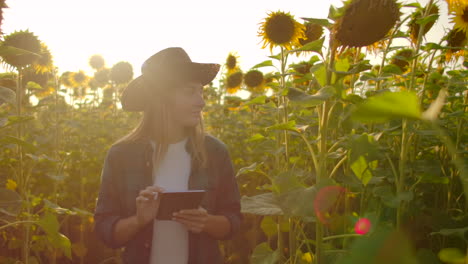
(128, 169)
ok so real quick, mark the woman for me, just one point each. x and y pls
(167, 151)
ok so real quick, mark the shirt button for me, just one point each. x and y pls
(146, 245)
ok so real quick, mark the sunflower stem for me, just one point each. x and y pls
(405, 137)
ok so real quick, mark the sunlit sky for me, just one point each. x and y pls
(134, 30)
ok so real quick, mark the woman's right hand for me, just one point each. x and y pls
(147, 204)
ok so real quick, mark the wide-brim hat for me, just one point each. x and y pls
(162, 70)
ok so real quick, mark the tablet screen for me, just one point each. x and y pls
(175, 201)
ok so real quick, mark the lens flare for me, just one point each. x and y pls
(362, 226)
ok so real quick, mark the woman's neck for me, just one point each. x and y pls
(176, 134)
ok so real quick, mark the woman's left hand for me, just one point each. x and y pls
(194, 219)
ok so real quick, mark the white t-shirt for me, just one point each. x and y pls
(170, 238)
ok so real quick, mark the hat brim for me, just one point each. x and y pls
(135, 96)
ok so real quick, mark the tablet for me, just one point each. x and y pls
(174, 201)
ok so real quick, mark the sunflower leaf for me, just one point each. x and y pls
(7, 95)
(299, 97)
(319, 21)
(428, 19)
(266, 63)
(388, 105)
(314, 46)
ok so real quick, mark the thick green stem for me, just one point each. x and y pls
(292, 240)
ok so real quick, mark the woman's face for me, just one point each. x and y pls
(185, 104)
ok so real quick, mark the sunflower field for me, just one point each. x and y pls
(351, 146)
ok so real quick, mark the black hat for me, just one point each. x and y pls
(168, 66)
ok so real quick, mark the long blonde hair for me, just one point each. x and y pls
(154, 125)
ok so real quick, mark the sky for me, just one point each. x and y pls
(134, 30)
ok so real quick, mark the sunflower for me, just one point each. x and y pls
(78, 79)
(401, 59)
(97, 62)
(281, 29)
(365, 22)
(23, 40)
(460, 16)
(2, 5)
(232, 63)
(253, 79)
(121, 72)
(65, 79)
(45, 63)
(312, 32)
(414, 26)
(234, 82)
(455, 4)
(455, 38)
(102, 76)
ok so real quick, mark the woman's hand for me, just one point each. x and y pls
(147, 204)
(194, 219)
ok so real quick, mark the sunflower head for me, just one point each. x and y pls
(121, 72)
(281, 29)
(233, 82)
(312, 32)
(45, 63)
(365, 22)
(97, 62)
(401, 59)
(24, 40)
(455, 38)
(102, 76)
(65, 79)
(78, 79)
(414, 26)
(232, 63)
(253, 79)
(460, 15)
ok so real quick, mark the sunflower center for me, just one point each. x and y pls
(231, 62)
(465, 15)
(280, 29)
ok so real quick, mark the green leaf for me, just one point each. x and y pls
(262, 204)
(257, 100)
(50, 225)
(454, 232)
(430, 178)
(14, 51)
(290, 126)
(320, 73)
(269, 226)
(263, 254)
(10, 202)
(452, 256)
(13, 140)
(319, 21)
(391, 69)
(301, 98)
(248, 169)
(383, 247)
(388, 105)
(57, 208)
(362, 170)
(428, 19)
(314, 46)
(256, 137)
(7, 96)
(299, 202)
(12, 120)
(266, 63)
